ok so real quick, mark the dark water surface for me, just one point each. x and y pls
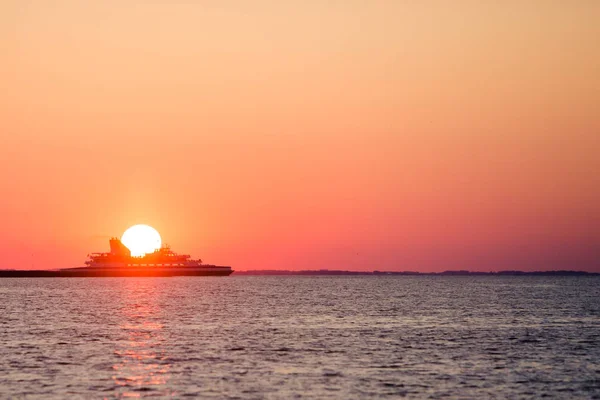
(285, 337)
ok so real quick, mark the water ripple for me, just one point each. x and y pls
(284, 337)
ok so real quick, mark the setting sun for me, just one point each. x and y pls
(141, 239)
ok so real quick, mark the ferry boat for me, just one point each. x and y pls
(120, 263)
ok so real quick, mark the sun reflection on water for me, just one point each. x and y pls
(143, 366)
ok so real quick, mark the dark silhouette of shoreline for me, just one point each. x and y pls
(412, 273)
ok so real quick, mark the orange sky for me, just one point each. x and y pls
(391, 135)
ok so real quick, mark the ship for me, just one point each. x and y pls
(119, 262)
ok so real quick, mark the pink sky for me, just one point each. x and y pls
(390, 135)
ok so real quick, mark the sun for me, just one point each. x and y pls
(141, 239)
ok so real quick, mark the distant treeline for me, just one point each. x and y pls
(458, 272)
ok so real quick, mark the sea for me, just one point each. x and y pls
(286, 337)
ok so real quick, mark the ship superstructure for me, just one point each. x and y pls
(120, 256)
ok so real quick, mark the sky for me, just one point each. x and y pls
(358, 135)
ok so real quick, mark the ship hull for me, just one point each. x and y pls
(100, 272)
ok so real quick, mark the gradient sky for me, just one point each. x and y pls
(390, 135)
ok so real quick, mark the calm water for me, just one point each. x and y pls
(285, 337)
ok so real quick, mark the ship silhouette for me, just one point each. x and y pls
(119, 262)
